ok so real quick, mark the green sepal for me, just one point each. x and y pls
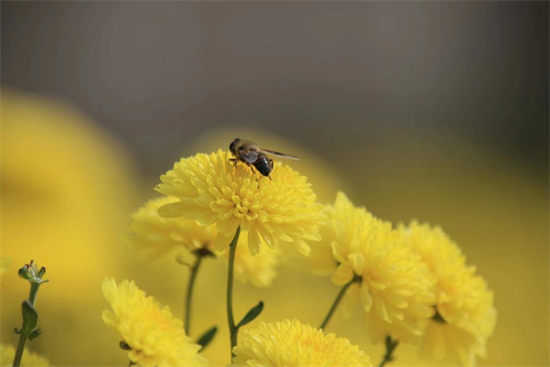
(251, 315)
(207, 337)
(30, 318)
(124, 346)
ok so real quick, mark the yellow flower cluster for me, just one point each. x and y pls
(388, 279)
(291, 343)
(211, 190)
(155, 337)
(465, 316)
(7, 354)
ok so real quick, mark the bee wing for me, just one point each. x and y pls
(249, 156)
(279, 154)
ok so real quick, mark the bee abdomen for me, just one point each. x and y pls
(262, 165)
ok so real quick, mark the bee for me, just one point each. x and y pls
(252, 155)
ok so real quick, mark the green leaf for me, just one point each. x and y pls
(252, 314)
(35, 334)
(207, 337)
(30, 318)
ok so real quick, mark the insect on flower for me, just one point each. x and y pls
(252, 154)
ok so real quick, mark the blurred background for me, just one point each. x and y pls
(430, 110)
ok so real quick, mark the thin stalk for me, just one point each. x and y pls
(20, 349)
(336, 303)
(390, 348)
(190, 286)
(33, 293)
(231, 321)
(22, 336)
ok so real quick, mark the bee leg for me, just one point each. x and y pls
(252, 168)
(271, 163)
(234, 160)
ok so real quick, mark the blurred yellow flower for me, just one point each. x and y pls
(157, 236)
(465, 316)
(155, 337)
(393, 286)
(7, 354)
(211, 191)
(67, 188)
(4, 265)
(291, 343)
(260, 269)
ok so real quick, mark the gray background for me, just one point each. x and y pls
(325, 74)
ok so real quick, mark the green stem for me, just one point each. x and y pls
(22, 336)
(190, 286)
(231, 321)
(335, 304)
(20, 349)
(390, 348)
(33, 293)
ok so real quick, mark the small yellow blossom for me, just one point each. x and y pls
(389, 280)
(4, 266)
(291, 343)
(7, 354)
(157, 236)
(211, 190)
(154, 335)
(465, 316)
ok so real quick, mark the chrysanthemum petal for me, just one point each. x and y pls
(291, 343)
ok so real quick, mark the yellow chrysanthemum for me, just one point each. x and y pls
(291, 343)
(211, 191)
(156, 236)
(4, 266)
(393, 286)
(155, 336)
(260, 269)
(465, 313)
(29, 359)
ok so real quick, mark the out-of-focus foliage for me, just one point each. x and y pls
(67, 189)
(30, 359)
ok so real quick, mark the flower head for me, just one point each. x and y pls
(465, 315)
(291, 343)
(393, 286)
(7, 354)
(211, 190)
(157, 236)
(155, 337)
(32, 274)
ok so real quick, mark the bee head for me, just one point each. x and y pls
(233, 145)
